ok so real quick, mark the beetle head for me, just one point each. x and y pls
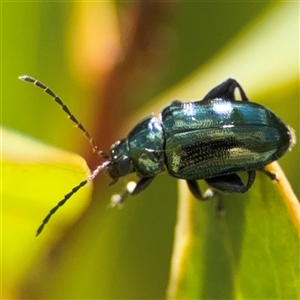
(120, 163)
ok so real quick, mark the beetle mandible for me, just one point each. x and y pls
(210, 139)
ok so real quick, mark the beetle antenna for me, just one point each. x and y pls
(70, 194)
(67, 111)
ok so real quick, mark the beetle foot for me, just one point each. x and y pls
(117, 200)
(209, 193)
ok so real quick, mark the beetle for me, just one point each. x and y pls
(211, 139)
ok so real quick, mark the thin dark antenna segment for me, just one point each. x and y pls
(101, 153)
(59, 204)
(67, 111)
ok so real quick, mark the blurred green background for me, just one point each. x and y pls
(108, 61)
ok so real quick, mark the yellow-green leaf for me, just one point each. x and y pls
(35, 177)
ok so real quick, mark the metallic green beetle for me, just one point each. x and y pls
(210, 139)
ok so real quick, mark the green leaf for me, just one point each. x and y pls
(252, 252)
(35, 177)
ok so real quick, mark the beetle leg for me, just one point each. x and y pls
(209, 193)
(225, 90)
(195, 190)
(220, 210)
(231, 183)
(132, 188)
(141, 185)
(271, 175)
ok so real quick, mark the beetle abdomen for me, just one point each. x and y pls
(215, 152)
(213, 138)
